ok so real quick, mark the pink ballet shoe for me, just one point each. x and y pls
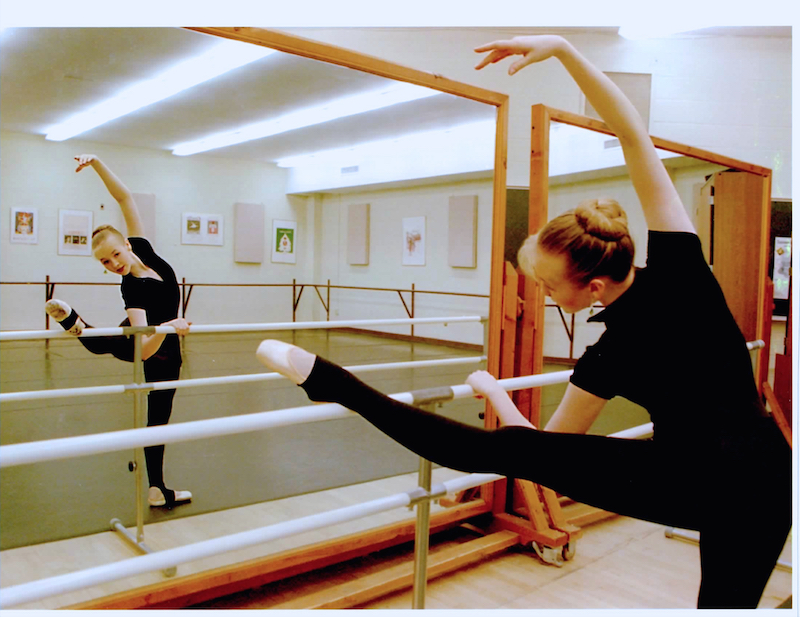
(156, 497)
(63, 314)
(276, 355)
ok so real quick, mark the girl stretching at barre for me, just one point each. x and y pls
(150, 292)
(715, 452)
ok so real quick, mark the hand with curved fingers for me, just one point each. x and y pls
(85, 160)
(531, 48)
(180, 324)
(483, 383)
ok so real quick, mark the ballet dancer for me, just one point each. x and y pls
(150, 292)
(715, 450)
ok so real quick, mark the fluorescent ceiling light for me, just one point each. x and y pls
(655, 31)
(340, 108)
(441, 142)
(222, 58)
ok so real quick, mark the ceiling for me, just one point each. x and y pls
(49, 74)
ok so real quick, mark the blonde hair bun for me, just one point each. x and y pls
(602, 218)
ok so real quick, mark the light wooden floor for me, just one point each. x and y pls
(620, 563)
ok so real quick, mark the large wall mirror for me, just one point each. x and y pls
(334, 131)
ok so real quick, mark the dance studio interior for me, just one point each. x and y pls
(360, 192)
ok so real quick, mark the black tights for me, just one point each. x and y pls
(160, 367)
(712, 488)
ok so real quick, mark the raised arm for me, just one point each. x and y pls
(120, 192)
(662, 206)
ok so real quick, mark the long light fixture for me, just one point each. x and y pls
(340, 108)
(444, 142)
(220, 59)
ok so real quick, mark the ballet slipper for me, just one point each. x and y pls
(288, 360)
(169, 498)
(65, 315)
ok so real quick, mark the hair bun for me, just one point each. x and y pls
(602, 218)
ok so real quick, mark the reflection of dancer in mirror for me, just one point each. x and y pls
(715, 455)
(150, 292)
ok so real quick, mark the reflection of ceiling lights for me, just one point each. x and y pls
(655, 31)
(442, 142)
(220, 59)
(340, 108)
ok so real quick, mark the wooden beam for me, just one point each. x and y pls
(366, 588)
(671, 146)
(218, 582)
(332, 54)
(495, 324)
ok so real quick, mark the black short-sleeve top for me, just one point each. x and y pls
(159, 299)
(672, 346)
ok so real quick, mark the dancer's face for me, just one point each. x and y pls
(115, 254)
(550, 271)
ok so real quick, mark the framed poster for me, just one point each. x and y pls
(783, 264)
(74, 232)
(414, 241)
(201, 229)
(25, 225)
(284, 241)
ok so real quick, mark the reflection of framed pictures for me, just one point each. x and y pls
(414, 241)
(201, 229)
(782, 267)
(74, 232)
(25, 225)
(284, 241)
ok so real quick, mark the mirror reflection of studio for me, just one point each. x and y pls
(179, 195)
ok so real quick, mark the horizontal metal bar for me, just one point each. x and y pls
(8, 397)
(216, 381)
(45, 588)
(84, 445)
(26, 335)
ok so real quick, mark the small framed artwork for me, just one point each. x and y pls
(414, 241)
(25, 225)
(284, 241)
(75, 232)
(201, 229)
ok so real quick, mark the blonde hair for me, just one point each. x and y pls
(594, 238)
(102, 232)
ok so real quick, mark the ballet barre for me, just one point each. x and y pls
(27, 335)
(219, 381)
(169, 558)
(84, 445)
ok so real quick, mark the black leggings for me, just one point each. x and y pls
(159, 367)
(713, 489)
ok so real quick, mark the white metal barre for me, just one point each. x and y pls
(69, 447)
(44, 588)
(26, 335)
(7, 397)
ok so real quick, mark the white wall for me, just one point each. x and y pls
(40, 174)
(385, 269)
(730, 95)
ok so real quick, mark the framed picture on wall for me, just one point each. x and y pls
(25, 225)
(414, 241)
(201, 229)
(75, 232)
(284, 241)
